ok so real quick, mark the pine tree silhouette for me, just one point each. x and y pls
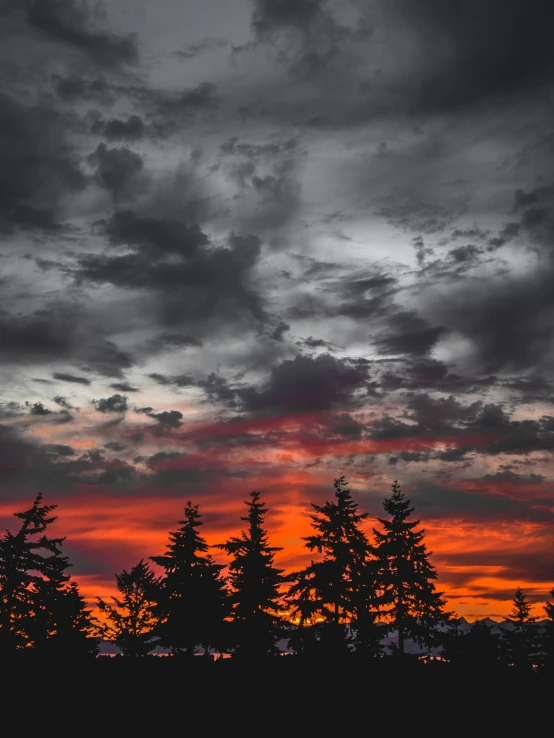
(339, 590)
(522, 640)
(40, 608)
(410, 604)
(131, 621)
(257, 624)
(194, 601)
(61, 625)
(478, 650)
(547, 639)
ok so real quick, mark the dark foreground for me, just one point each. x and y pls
(286, 696)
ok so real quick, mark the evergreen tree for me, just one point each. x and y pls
(337, 592)
(62, 626)
(547, 638)
(131, 620)
(255, 587)
(194, 600)
(522, 639)
(478, 649)
(411, 605)
(40, 608)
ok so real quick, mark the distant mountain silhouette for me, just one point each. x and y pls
(107, 648)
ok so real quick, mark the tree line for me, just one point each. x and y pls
(352, 595)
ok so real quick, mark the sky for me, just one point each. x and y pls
(259, 244)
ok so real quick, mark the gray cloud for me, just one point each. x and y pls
(71, 24)
(115, 129)
(118, 171)
(113, 404)
(307, 384)
(62, 377)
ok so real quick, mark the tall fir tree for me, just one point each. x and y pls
(410, 604)
(337, 594)
(478, 649)
(131, 621)
(521, 640)
(256, 601)
(194, 600)
(547, 636)
(40, 607)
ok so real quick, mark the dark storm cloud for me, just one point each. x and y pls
(514, 565)
(63, 402)
(168, 419)
(419, 457)
(307, 384)
(113, 404)
(269, 15)
(105, 357)
(168, 112)
(209, 43)
(267, 177)
(433, 413)
(474, 50)
(27, 218)
(428, 373)
(302, 384)
(169, 341)
(434, 501)
(38, 165)
(484, 428)
(258, 152)
(537, 215)
(26, 467)
(363, 296)
(315, 343)
(42, 335)
(62, 377)
(124, 387)
(38, 408)
(59, 449)
(73, 88)
(386, 428)
(512, 478)
(115, 129)
(11, 409)
(156, 237)
(530, 389)
(523, 437)
(72, 24)
(199, 284)
(343, 424)
(119, 171)
(408, 333)
(162, 456)
(509, 322)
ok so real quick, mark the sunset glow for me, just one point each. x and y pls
(256, 245)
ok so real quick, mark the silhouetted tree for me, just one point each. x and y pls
(410, 603)
(256, 582)
(40, 608)
(478, 649)
(521, 640)
(338, 591)
(131, 621)
(194, 601)
(61, 625)
(547, 636)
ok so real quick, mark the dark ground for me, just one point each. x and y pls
(160, 695)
